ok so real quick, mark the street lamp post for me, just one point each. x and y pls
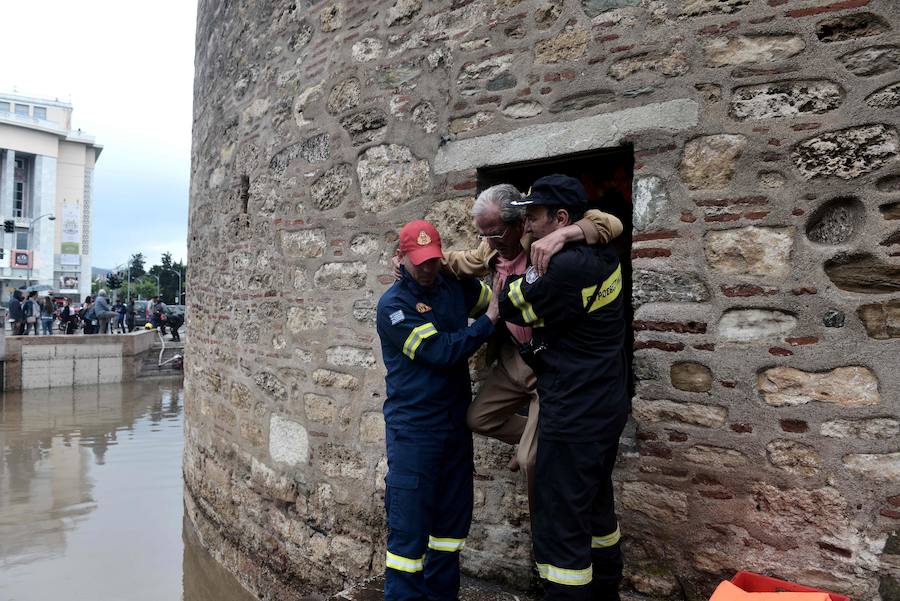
(178, 273)
(50, 217)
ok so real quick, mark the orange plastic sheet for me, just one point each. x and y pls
(729, 592)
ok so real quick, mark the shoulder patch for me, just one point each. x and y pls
(531, 275)
(397, 316)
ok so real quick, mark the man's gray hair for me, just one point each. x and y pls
(500, 196)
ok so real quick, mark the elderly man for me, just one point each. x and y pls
(422, 321)
(505, 251)
(575, 310)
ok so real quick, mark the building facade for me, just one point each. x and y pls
(754, 146)
(46, 170)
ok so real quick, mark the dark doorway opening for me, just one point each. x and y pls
(607, 176)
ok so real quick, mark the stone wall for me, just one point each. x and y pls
(766, 279)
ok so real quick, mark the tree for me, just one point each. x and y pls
(136, 264)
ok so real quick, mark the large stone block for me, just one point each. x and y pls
(695, 8)
(344, 95)
(847, 386)
(879, 467)
(851, 27)
(669, 64)
(758, 251)
(341, 276)
(872, 61)
(835, 221)
(751, 49)
(866, 274)
(305, 318)
(371, 428)
(570, 44)
(367, 125)
(715, 457)
(288, 441)
(691, 377)
(657, 502)
(887, 97)
(453, 219)
(335, 379)
(694, 414)
(874, 428)
(785, 99)
(748, 325)
(350, 356)
(709, 162)
(882, 320)
(847, 153)
(272, 385)
(302, 244)
(319, 408)
(390, 176)
(523, 109)
(669, 287)
(650, 198)
(794, 457)
(329, 191)
(313, 150)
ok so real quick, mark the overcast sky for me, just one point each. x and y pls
(127, 68)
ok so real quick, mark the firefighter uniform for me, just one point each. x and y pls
(426, 342)
(576, 312)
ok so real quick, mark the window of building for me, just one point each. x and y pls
(40, 112)
(4, 107)
(22, 240)
(22, 109)
(19, 200)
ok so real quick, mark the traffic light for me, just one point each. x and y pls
(113, 281)
(2, 253)
(9, 226)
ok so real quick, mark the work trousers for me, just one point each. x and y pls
(576, 534)
(428, 500)
(509, 387)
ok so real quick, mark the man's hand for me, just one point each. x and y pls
(493, 310)
(395, 264)
(546, 247)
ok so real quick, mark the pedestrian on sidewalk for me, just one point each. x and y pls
(103, 312)
(17, 313)
(47, 310)
(32, 312)
(86, 314)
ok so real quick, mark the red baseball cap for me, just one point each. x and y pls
(420, 241)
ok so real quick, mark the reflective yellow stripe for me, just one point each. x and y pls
(484, 299)
(601, 542)
(404, 564)
(609, 291)
(446, 544)
(564, 576)
(416, 337)
(518, 300)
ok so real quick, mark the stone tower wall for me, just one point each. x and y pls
(766, 278)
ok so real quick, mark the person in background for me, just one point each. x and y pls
(119, 310)
(86, 314)
(16, 313)
(32, 311)
(47, 311)
(129, 314)
(67, 317)
(103, 312)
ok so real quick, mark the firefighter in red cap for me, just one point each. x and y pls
(426, 340)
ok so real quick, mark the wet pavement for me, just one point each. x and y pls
(91, 498)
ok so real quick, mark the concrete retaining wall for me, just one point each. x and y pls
(60, 361)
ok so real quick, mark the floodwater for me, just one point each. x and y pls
(91, 498)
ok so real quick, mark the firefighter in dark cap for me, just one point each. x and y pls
(577, 351)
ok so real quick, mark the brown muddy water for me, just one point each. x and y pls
(91, 498)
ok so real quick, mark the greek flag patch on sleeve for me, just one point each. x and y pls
(397, 316)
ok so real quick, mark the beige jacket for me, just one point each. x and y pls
(598, 228)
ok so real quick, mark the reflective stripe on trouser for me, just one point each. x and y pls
(446, 544)
(576, 537)
(428, 499)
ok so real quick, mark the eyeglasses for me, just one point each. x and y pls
(493, 236)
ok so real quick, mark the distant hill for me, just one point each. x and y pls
(99, 271)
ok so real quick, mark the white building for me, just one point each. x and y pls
(46, 170)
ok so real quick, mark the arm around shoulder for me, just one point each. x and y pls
(599, 227)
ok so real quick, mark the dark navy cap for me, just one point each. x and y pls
(556, 191)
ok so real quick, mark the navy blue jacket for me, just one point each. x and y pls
(425, 343)
(582, 374)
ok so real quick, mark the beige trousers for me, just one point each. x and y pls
(510, 385)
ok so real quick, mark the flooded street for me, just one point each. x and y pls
(91, 498)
